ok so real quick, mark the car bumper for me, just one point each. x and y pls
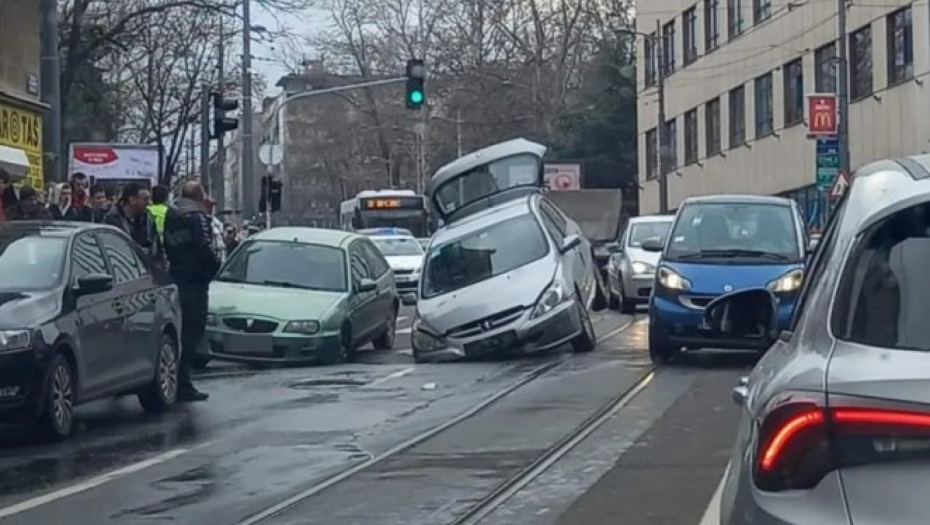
(403, 285)
(675, 324)
(22, 378)
(523, 336)
(638, 287)
(241, 347)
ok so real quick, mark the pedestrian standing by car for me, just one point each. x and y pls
(96, 207)
(61, 208)
(193, 263)
(159, 208)
(219, 245)
(29, 207)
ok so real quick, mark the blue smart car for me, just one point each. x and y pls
(720, 244)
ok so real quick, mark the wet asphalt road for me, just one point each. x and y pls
(268, 435)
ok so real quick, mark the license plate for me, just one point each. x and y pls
(250, 344)
(491, 344)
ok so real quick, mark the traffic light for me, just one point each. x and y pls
(222, 123)
(416, 78)
(271, 191)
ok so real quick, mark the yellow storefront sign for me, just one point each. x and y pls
(22, 128)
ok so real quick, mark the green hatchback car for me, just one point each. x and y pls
(301, 295)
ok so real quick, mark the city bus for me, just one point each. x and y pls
(386, 209)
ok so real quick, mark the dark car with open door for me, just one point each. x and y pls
(83, 316)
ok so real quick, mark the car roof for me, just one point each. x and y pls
(884, 187)
(52, 228)
(483, 156)
(406, 237)
(737, 198)
(484, 218)
(306, 235)
(651, 218)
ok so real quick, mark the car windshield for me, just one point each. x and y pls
(884, 295)
(287, 265)
(488, 179)
(397, 246)
(764, 232)
(31, 262)
(648, 230)
(483, 254)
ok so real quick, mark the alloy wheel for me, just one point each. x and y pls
(62, 393)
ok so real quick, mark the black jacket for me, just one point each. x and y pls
(142, 230)
(72, 214)
(16, 214)
(189, 243)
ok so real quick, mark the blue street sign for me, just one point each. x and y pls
(828, 146)
(827, 162)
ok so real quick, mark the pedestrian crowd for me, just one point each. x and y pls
(182, 239)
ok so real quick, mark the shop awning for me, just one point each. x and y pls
(14, 160)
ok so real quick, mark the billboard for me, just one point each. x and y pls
(115, 162)
(822, 114)
(565, 176)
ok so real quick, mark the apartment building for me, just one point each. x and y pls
(736, 76)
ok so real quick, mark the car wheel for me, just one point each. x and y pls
(600, 293)
(345, 352)
(57, 419)
(586, 341)
(163, 391)
(385, 341)
(660, 352)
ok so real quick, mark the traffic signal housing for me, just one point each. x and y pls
(416, 78)
(222, 123)
(272, 190)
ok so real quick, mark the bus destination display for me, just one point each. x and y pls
(393, 203)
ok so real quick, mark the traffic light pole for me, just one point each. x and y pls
(248, 155)
(205, 138)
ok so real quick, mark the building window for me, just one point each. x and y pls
(689, 31)
(763, 94)
(670, 150)
(691, 137)
(737, 103)
(735, 22)
(860, 63)
(649, 59)
(668, 48)
(793, 75)
(825, 62)
(761, 11)
(651, 153)
(711, 25)
(900, 46)
(712, 126)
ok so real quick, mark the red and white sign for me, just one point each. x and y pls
(839, 185)
(115, 161)
(563, 176)
(822, 114)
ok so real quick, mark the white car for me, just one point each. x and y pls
(405, 255)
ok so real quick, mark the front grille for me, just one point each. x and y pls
(487, 324)
(258, 326)
(403, 272)
(696, 301)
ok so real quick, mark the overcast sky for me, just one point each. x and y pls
(268, 56)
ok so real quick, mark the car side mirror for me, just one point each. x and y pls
(366, 285)
(653, 244)
(570, 243)
(409, 299)
(94, 283)
(747, 315)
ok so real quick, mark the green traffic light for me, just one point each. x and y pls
(416, 97)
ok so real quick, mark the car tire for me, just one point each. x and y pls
(385, 341)
(162, 393)
(586, 341)
(600, 301)
(345, 352)
(57, 418)
(660, 352)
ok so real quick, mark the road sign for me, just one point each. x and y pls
(822, 115)
(828, 162)
(839, 186)
(271, 154)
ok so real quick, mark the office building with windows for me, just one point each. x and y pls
(736, 76)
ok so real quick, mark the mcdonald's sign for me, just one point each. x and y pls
(822, 115)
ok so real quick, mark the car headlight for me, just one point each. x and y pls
(642, 268)
(423, 339)
(553, 296)
(15, 339)
(302, 327)
(789, 282)
(671, 280)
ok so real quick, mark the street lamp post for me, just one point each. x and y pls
(248, 159)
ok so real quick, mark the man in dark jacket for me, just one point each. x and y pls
(29, 208)
(193, 263)
(130, 215)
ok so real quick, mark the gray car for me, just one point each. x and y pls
(631, 270)
(836, 420)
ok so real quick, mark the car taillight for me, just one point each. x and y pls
(801, 442)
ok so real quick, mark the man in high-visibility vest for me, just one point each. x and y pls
(159, 208)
